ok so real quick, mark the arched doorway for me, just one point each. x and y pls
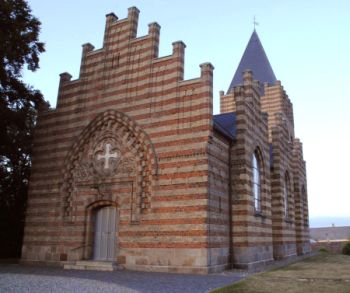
(113, 143)
(105, 229)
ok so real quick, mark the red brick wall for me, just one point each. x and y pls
(161, 122)
(331, 246)
(252, 234)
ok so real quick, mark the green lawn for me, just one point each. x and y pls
(324, 273)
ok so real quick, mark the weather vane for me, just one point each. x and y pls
(255, 23)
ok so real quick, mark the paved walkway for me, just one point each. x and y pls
(21, 278)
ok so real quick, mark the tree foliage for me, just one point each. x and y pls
(346, 249)
(19, 47)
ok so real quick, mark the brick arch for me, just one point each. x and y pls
(101, 203)
(139, 145)
(263, 165)
(262, 160)
(303, 202)
(289, 202)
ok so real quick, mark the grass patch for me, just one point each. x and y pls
(323, 273)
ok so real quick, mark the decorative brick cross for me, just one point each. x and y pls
(107, 155)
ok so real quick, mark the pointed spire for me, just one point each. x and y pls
(255, 59)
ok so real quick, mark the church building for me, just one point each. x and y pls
(133, 170)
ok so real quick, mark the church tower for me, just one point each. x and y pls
(289, 209)
(132, 169)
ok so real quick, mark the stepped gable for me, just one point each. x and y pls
(132, 169)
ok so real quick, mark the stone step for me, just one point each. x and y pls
(92, 265)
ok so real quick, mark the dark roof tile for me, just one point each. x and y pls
(226, 124)
(255, 59)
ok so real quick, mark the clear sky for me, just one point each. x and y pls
(306, 41)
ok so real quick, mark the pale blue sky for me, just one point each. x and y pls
(307, 43)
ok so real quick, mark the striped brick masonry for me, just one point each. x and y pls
(158, 124)
(289, 214)
(132, 134)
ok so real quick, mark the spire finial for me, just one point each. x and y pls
(255, 23)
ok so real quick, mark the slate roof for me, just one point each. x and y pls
(226, 124)
(255, 59)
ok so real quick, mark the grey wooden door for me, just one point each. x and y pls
(105, 234)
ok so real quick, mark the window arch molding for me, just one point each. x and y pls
(304, 216)
(286, 194)
(257, 166)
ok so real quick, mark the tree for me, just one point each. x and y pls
(19, 104)
(346, 249)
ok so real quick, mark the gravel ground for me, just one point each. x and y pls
(20, 278)
(23, 278)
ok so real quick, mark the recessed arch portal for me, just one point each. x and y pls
(115, 137)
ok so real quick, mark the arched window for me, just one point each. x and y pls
(286, 195)
(256, 182)
(303, 206)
